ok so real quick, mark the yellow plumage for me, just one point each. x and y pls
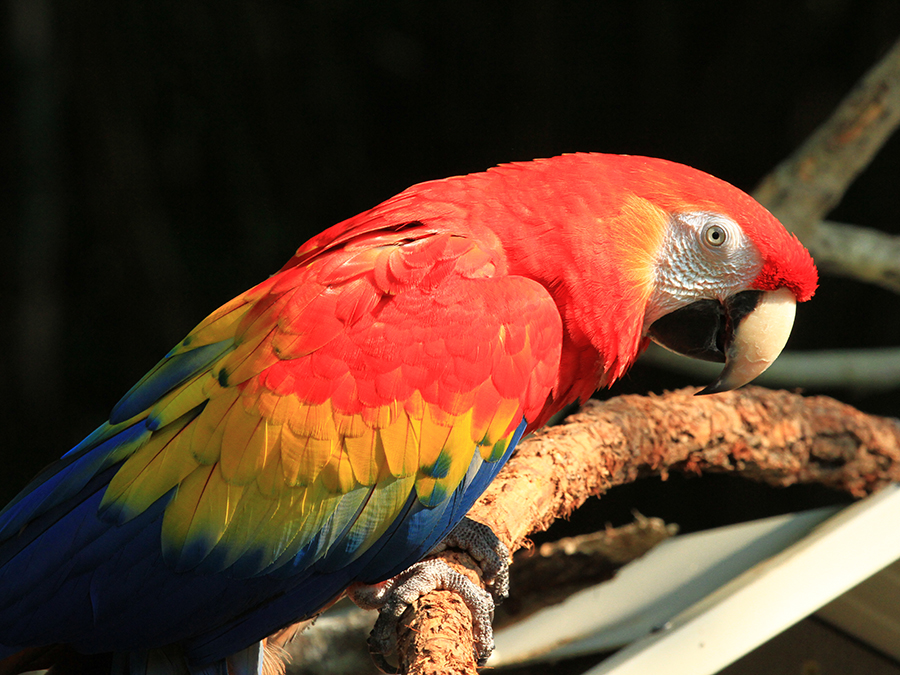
(260, 463)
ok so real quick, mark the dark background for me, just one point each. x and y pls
(159, 158)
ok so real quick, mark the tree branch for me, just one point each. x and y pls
(772, 436)
(541, 578)
(808, 184)
(869, 369)
(857, 252)
(775, 437)
(556, 570)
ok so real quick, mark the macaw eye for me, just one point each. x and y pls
(715, 235)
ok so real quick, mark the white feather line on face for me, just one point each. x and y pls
(704, 256)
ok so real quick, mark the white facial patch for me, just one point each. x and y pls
(704, 255)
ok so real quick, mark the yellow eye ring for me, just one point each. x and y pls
(715, 235)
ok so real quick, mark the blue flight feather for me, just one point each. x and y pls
(69, 475)
(174, 369)
(410, 537)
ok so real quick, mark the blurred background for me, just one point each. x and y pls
(159, 158)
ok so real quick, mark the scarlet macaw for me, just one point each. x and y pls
(332, 424)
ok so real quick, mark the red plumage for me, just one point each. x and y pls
(334, 422)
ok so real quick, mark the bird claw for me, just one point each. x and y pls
(394, 596)
(483, 546)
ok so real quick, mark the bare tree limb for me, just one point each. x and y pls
(869, 370)
(775, 437)
(808, 184)
(557, 570)
(772, 436)
(541, 577)
(857, 252)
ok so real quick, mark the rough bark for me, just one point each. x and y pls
(772, 436)
(556, 570)
(436, 635)
(856, 252)
(807, 185)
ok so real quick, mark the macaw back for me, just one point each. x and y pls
(330, 425)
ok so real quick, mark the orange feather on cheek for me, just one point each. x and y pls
(333, 423)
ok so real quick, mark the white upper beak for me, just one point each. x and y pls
(757, 340)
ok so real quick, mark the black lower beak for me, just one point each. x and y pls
(706, 330)
(698, 330)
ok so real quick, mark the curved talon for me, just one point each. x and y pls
(396, 595)
(380, 660)
(392, 597)
(483, 546)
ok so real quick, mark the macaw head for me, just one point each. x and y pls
(631, 249)
(655, 250)
(727, 274)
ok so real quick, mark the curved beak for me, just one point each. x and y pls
(747, 333)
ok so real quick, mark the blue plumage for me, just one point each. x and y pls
(98, 576)
(407, 541)
(174, 369)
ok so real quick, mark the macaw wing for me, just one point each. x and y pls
(366, 375)
(335, 421)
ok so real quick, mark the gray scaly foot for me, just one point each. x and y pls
(394, 596)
